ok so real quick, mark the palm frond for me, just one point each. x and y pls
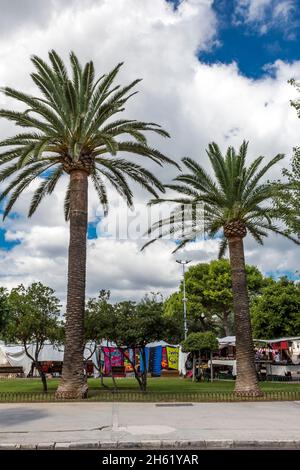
(71, 121)
(235, 193)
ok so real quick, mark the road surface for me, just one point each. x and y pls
(109, 425)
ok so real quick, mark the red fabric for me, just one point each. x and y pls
(164, 360)
(284, 345)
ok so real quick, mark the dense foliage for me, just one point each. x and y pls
(202, 341)
(4, 311)
(210, 298)
(128, 324)
(33, 320)
(276, 312)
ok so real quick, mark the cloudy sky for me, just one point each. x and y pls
(212, 71)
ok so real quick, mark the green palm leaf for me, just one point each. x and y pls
(234, 193)
(68, 125)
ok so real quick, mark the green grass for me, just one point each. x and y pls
(173, 385)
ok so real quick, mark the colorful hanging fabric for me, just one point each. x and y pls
(157, 359)
(107, 363)
(151, 359)
(164, 359)
(127, 362)
(172, 354)
(142, 361)
(116, 358)
(113, 357)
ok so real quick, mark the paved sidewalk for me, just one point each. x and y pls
(128, 425)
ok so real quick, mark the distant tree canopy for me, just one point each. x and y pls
(136, 324)
(98, 317)
(127, 324)
(276, 311)
(287, 202)
(4, 311)
(202, 341)
(210, 299)
(33, 319)
(195, 343)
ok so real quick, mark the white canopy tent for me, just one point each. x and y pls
(15, 355)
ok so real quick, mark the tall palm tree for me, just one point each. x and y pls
(71, 129)
(235, 203)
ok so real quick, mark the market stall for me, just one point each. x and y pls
(50, 357)
(275, 359)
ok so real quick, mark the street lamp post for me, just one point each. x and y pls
(184, 300)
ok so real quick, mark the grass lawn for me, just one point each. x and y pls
(154, 384)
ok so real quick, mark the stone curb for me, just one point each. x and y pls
(156, 444)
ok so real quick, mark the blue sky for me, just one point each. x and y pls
(254, 41)
(246, 42)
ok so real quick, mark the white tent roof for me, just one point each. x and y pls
(15, 355)
(160, 343)
(230, 340)
(226, 341)
(278, 340)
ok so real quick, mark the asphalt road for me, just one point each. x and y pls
(60, 425)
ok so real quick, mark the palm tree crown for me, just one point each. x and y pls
(235, 200)
(71, 126)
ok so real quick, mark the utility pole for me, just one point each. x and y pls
(184, 300)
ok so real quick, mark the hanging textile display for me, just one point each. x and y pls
(157, 357)
(130, 353)
(112, 358)
(151, 359)
(107, 362)
(142, 362)
(137, 358)
(172, 354)
(164, 359)
(116, 358)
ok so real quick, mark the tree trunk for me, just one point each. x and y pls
(144, 374)
(194, 367)
(246, 381)
(225, 322)
(43, 376)
(73, 383)
(211, 367)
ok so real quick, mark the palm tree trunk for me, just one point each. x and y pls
(246, 381)
(73, 384)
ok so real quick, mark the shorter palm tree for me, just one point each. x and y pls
(235, 203)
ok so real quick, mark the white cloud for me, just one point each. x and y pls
(264, 15)
(196, 102)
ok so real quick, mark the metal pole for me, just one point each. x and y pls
(184, 300)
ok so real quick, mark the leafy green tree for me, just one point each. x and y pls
(70, 128)
(210, 298)
(236, 202)
(136, 324)
(4, 310)
(197, 319)
(287, 202)
(197, 342)
(275, 313)
(98, 323)
(33, 320)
